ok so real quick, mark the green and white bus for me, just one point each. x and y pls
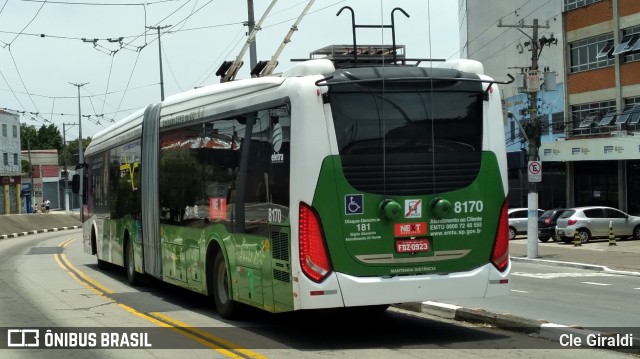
(316, 188)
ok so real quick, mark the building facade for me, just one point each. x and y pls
(600, 154)
(46, 177)
(499, 33)
(10, 164)
(591, 148)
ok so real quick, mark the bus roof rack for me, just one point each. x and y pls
(342, 56)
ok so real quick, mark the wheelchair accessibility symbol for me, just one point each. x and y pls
(353, 204)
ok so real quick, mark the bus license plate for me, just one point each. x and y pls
(412, 245)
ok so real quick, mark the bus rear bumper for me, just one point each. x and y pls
(484, 281)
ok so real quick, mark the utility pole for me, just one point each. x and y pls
(30, 171)
(64, 161)
(253, 57)
(160, 58)
(80, 149)
(532, 129)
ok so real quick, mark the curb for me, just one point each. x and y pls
(36, 231)
(585, 266)
(564, 334)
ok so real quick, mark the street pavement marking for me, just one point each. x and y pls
(519, 291)
(222, 346)
(595, 283)
(563, 275)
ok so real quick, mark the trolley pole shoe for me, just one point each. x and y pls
(576, 240)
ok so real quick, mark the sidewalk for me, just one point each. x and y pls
(597, 255)
(15, 225)
(624, 257)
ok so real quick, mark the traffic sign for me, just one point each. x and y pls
(534, 170)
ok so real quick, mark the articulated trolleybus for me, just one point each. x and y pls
(316, 188)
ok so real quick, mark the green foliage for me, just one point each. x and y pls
(44, 138)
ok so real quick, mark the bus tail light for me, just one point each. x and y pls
(314, 257)
(500, 252)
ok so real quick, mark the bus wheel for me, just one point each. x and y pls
(132, 276)
(226, 307)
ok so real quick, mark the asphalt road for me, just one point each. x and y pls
(47, 281)
(568, 296)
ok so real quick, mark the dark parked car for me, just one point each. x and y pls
(547, 224)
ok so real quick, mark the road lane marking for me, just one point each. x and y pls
(203, 333)
(98, 286)
(232, 350)
(564, 275)
(596, 283)
(519, 291)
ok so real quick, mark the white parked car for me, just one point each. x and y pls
(593, 222)
(518, 220)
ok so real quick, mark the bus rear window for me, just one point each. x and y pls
(407, 122)
(408, 140)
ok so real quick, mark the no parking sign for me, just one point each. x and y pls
(534, 169)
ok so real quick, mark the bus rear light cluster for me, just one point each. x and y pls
(500, 252)
(314, 257)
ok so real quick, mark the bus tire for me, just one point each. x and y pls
(129, 264)
(226, 307)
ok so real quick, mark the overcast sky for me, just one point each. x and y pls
(42, 49)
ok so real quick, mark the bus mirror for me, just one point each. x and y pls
(75, 184)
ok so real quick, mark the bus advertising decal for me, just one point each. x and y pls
(410, 229)
(218, 208)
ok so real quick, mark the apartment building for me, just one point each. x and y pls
(10, 165)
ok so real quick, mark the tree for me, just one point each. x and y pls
(28, 136)
(49, 137)
(45, 138)
(70, 151)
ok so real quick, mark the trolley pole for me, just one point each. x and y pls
(532, 130)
